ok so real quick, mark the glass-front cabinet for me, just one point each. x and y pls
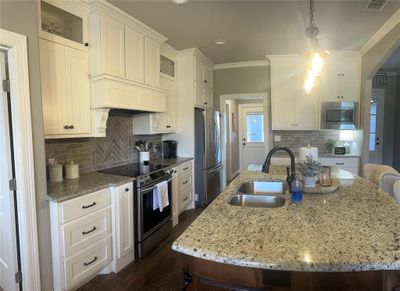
(64, 22)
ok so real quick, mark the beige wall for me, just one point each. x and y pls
(240, 80)
(396, 146)
(370, 64)
(233, 138)
(21, 17)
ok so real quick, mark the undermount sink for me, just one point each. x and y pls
(262, 194)
(272, 187)
(261, 201)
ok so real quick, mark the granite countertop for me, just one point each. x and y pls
(321, 155)
(356, 228)
(91, 182)
(85, 184)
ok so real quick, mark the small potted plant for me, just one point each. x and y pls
(309, 169)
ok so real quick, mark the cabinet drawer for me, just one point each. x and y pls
(88, 230)
(340, 162)
(185, 167)
(185, 180)
(86, 264)
(185, 198)
(85, 205)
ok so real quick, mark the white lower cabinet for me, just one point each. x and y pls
(123, 227)
(350, 164)
(92, 234)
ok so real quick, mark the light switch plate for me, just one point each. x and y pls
(277, 138)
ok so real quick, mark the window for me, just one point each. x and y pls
(255, 127)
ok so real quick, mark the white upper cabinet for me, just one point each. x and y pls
(292, 107)
(341, 78)
(134, 48)
(112, 47)
(203, 71)
(152, 62)
(65, 91)
(64, 22)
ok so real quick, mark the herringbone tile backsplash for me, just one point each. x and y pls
(94, 154)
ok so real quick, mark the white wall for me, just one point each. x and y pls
(21, 17)
(233, 164)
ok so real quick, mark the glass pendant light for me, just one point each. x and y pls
(315, 56)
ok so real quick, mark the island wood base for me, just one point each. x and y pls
(201, 275)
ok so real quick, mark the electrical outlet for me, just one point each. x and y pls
(277, 138)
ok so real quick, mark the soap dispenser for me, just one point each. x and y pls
(296, 196)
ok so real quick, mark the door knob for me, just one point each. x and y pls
(244, 143)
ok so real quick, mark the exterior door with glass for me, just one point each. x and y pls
(251, 135)
(376, 126)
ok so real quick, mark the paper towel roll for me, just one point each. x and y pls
(71, 171)
(308, 151)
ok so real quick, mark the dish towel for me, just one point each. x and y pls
(160, 196)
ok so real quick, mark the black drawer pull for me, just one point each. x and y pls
(91, 262)
(186, 168)
(88, 206)
(89, 231)
(205, 81)
(339, 164)
(185, 199)
(168, 126)
(185, 182)
(205, 103)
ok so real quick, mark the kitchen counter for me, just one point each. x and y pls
(95, 181)
(85, 184)
(356, 228)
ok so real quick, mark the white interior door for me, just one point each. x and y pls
(8, 242)
(251, 132)
(376, 126)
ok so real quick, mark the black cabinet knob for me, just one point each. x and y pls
(71, 127)
(66, 126)
(86, 44)
(126, 189)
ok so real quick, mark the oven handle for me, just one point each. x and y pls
(153, 187)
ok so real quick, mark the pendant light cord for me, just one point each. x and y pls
(311, 12)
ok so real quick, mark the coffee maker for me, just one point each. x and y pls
(169, 149)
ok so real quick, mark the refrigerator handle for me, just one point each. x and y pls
(205, 132)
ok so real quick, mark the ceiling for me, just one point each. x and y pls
(393, 62)
(253, 29)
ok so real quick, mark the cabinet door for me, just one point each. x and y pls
(53, 75)
(329, 86)
(113, 47)
(167, 121)
(282, 93)
(208, 97)
(152, 62)
(134, 55)
(208, 76)
(78, 94)
(350, 72)
(198, 94)
(198, 69)
(305, 107)
(124, 206)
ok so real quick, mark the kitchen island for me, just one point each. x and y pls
(345, 239)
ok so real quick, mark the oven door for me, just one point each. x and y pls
(339, 115)
(149, 220)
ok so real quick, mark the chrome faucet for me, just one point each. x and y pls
(291, 175)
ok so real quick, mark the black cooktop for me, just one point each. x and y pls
(134, 169)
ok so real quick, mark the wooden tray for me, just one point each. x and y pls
(319, 189)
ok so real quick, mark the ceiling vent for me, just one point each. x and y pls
(376, 5)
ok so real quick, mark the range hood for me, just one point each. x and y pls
(109, 92)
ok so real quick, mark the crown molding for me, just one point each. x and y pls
(385, 29)
(262, 63)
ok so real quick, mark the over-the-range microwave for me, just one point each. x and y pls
(339, 115)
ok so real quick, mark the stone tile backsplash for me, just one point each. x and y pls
(296, 139)
(94, 154)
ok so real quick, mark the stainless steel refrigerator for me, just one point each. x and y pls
(207, 160)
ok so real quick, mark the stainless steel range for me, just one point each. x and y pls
(151, 226)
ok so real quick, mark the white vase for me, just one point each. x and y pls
(309, 182)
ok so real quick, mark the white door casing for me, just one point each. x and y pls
(376, 126)
(8, 236)
(252, 144)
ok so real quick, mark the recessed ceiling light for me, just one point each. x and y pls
(179, 1)
(220, 41)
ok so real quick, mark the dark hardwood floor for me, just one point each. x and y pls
(160, 270)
